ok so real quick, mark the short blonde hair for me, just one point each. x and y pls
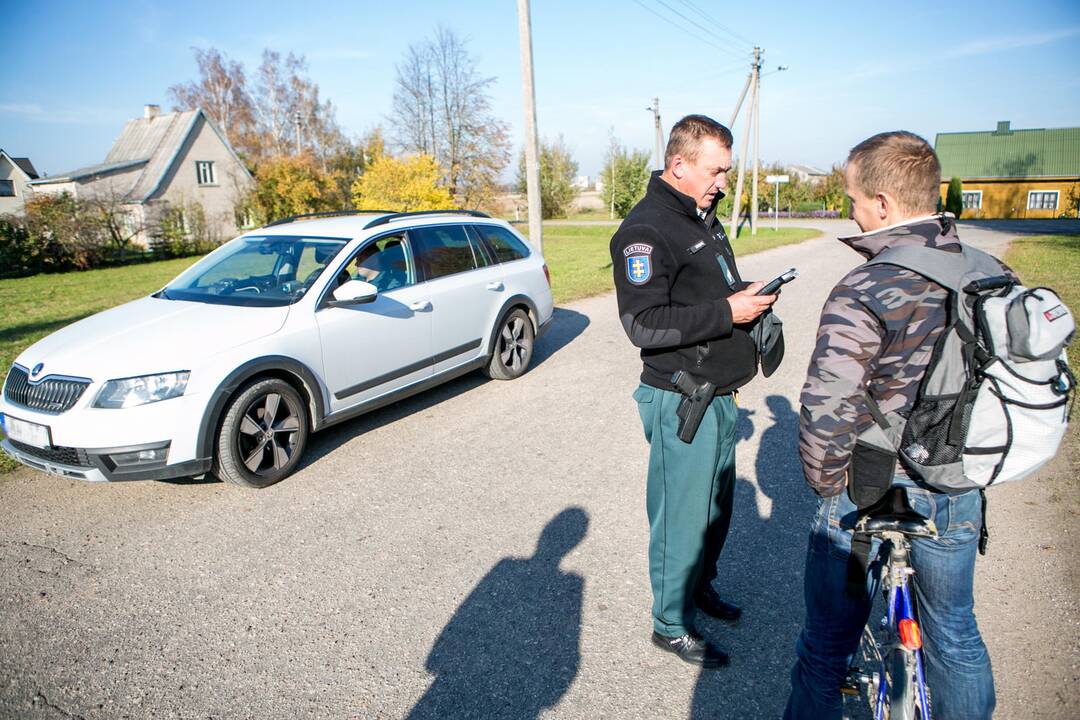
(687, 134)
(901, 164)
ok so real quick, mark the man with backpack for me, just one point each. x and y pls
(877, 336)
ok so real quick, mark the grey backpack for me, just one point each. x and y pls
(994, 403)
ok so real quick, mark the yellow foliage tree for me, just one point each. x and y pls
(286, 186)
(401, 184)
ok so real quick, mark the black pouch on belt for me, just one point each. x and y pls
(869, 477)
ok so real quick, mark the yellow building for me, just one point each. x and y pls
(1010, 173)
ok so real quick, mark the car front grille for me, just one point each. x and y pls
(58, 455)
(51, 395)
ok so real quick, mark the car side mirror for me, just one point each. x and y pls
(354, 292)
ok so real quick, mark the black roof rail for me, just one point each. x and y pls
(332, 213)
(395, 216)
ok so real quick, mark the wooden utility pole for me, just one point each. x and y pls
(757, 138)
(742, 96)
(753, 82)
(659, 133)
(532, 146)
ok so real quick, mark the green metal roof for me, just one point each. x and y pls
(1006, 153)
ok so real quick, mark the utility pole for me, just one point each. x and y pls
(655, 109)
(296, 118)
(753, 83)
(757, 138)
(742, 96)
(532, 148)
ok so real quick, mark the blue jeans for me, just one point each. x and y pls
(957, 664)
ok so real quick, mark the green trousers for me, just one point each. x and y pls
(688, 499)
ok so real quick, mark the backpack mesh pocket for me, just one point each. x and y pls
(926, 435)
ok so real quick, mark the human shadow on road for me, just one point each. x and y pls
(761, 570)
(566, 326)
(513, 646)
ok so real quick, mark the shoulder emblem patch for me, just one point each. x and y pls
(638, 262)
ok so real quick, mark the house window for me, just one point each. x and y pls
(973, 200)
(1043, 200)
(7, 188)
(204, 170)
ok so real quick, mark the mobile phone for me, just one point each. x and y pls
(773, 285)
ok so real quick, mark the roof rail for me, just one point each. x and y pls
(332, 213)
(395, 216)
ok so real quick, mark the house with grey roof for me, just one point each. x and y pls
(808, 173)
(166, 160)
(16, 173)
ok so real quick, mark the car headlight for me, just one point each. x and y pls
(131, 392)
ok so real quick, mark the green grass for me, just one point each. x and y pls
(580, 263)
(1054, 261)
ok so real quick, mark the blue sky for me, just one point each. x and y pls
(75, 71)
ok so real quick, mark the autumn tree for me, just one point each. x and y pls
(441, 108)
(286, 186)
(222, 92)
(261, 119)
(405, 184)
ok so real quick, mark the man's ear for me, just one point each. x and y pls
(884, 204)
(678, 167)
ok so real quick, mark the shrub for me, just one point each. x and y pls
(181, 230)
(954, 198)
(68, 233)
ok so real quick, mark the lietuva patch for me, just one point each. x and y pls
(638, 262)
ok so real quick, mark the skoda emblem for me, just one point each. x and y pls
(37, 369)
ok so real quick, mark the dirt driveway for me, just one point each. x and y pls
(477, 551)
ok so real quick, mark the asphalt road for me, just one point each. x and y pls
(477, 552)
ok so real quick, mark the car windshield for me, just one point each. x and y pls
(257, 271)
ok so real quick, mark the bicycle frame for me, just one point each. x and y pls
(897, 573)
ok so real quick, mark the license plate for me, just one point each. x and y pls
(27, 432)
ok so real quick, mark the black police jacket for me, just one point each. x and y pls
(673, 272)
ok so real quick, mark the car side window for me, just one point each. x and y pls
(503, 243)
(443, 250)
(385, 263)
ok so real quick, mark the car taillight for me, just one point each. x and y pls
(547, 274)
(910, 635)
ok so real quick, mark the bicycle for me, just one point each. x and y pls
(887, 671)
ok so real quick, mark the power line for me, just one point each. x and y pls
(696, 31)
(696, 25)
(695, 8)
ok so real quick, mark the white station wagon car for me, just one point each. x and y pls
(276, 334)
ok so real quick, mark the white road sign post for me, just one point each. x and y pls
(776, 180)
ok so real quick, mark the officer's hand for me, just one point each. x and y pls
(745, 305)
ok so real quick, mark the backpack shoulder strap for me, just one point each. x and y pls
(948, 269)
(944, 268)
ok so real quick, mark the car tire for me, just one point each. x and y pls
(252, 451)
(513, 347)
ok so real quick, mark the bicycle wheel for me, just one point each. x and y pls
(902, 686)
(860, 690)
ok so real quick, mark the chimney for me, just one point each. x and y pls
(1003, 128)
(151, 111)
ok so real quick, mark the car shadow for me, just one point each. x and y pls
(566, 326)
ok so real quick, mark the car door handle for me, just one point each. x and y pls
(496, 286)
(420, 306)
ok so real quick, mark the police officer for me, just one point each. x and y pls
(682, 301)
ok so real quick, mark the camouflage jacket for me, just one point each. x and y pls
(877, 334)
